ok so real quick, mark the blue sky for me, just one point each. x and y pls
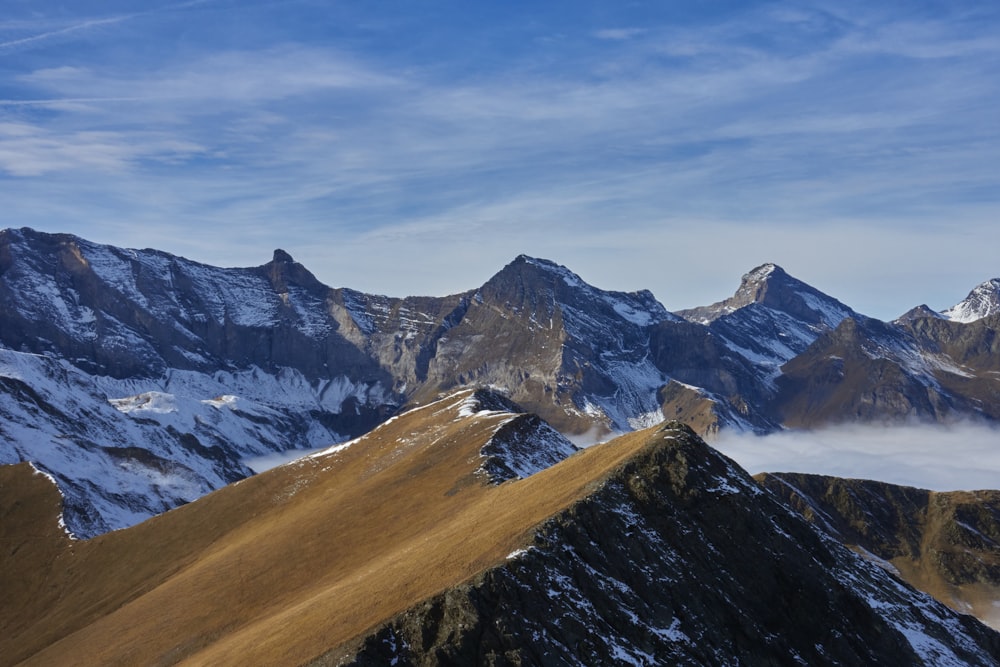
(417, 147)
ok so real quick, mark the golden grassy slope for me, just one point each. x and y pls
(283, 566)
(958, 561)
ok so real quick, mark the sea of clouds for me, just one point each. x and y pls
(940, 458)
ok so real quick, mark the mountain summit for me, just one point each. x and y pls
(771, 318)
(771, 287)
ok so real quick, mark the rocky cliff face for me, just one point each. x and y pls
(575, 354)
(677, 557)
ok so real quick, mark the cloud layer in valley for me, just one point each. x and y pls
(941, 458)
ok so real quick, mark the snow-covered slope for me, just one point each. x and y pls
(123, 450)
(141, 381)
(982, 301)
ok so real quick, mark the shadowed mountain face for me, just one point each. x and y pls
(870, 371)
(403, 548)
(947, 544)
(141, 381)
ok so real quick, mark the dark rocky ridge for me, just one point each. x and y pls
(677, 558)
(947, 544)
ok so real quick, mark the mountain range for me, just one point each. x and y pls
(140, 380)
(440, 511)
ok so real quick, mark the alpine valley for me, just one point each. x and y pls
(439, 511)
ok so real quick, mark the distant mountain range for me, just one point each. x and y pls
(141, 380)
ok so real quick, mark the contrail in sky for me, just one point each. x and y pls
(93, 23)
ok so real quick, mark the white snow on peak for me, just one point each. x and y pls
(982, 301)
(760, 273)
(639, 308)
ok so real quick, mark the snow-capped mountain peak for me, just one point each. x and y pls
(982, 301)
(771, 318)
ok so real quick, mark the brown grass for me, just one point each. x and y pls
(284, 566)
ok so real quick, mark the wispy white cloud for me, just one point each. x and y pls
(240, 77)
(28, 150)
(619, 33)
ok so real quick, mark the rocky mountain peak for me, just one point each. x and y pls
(757, 284)
(280, 256)
(284, 271)
(762, 273)
(542, 270)
(918, 312)
(771, 286)
(540, 285)
(982, 301)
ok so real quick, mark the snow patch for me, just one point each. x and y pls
(62, 519)
(155, 402)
